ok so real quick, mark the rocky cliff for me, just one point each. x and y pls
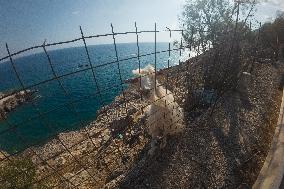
(220, 147)
(10, 101)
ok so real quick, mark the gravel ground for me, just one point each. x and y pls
(225, 149)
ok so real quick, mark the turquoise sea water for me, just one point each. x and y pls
(57, 113)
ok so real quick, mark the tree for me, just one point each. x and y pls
(206, 21)
(272, 34)
(279, 26)
(221, 26)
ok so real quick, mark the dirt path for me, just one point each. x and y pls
(271, 174)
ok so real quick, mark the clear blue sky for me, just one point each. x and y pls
(25, 23)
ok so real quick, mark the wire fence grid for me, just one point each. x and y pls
(57, 77)
(98, 94)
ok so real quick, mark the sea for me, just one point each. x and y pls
(59, 108)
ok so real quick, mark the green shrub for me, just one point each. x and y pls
(17, 173)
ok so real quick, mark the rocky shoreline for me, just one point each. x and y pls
(219, 150)
(10, 101)
(103, 150)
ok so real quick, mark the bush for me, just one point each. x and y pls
(18, 173)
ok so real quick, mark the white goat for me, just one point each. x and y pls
(165, 116)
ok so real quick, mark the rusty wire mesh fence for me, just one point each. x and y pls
(52, 175)
(100, 150)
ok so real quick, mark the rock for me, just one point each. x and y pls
(118, 125)
(10, 101)
(3, 154)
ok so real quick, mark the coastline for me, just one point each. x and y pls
(114, 135)
(111, 151)
(10, 101)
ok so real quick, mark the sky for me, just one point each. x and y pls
(25, 23)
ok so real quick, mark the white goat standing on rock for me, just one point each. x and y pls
(165, 116)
